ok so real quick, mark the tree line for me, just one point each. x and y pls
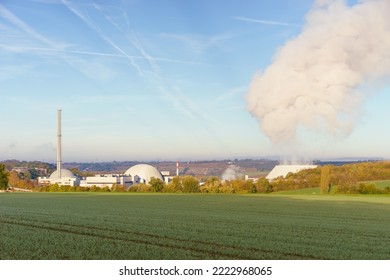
(358, 178)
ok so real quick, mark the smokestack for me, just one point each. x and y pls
(59, 145)
(177, 168)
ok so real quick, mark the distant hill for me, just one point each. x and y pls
(195, 168)
(207, 168)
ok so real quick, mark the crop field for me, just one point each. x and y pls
(162, 226)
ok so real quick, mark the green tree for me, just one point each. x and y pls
(156, 184)
(54, 188)
(263, 186)
(175, 186)
(3, 178)
(325, 179)
(211, 185)
(190, 184)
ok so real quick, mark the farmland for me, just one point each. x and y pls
(197, 226)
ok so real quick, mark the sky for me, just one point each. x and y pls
(156, 80)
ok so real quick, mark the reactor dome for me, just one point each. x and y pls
(142, 173)
(65, 173)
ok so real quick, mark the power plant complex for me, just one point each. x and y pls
(140, 173)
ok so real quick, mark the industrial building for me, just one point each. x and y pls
(143, 173)
(283, 170)
(107, 180)
(63, 178)
(140, 173)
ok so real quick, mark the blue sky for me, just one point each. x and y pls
(152, 80)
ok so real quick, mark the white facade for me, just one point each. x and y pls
(67, 179)
(283, 170)
(107, 180)
(143, 173)
(64, 181)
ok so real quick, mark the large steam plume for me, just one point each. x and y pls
(314, 79)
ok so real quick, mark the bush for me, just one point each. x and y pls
(345, 189)
(368, 189)
(226, 188)
(118, 188)
(156, 185)
(190, 184)
(140, 188)
(211, 185)
(263, 186)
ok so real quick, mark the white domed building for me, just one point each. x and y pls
(64, 173)
(66, 178)
(143, 173)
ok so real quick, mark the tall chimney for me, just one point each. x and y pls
(59, 145)
(177, 168)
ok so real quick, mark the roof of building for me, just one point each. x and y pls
(144, 171)
(283, 170)
(65, 173)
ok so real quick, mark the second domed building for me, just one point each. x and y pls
(143, 173)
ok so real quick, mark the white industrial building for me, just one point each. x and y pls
(143, 173)
(107, 180)
(283, 170)
(67, 178)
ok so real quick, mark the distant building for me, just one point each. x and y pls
(283, 170)
(140, 173)
(107, 180)
(67, 178)
(143, 173)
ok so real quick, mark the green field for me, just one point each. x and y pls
(162, 226)
(379, 184)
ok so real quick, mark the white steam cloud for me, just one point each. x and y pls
(314, 79)
(232, 172)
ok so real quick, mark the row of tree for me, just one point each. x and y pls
(180, 184)
(355, 178)
(351, 178)
(3, 178)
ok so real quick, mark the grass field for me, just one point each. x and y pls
(161, 226)
(379, 184)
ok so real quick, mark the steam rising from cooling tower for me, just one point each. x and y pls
(314, 79)
(232, 172)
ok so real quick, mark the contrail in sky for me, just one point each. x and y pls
(266, 22)
(103, 36)
(62, 50)
(5, 13)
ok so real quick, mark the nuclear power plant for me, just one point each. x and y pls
(140, 173)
